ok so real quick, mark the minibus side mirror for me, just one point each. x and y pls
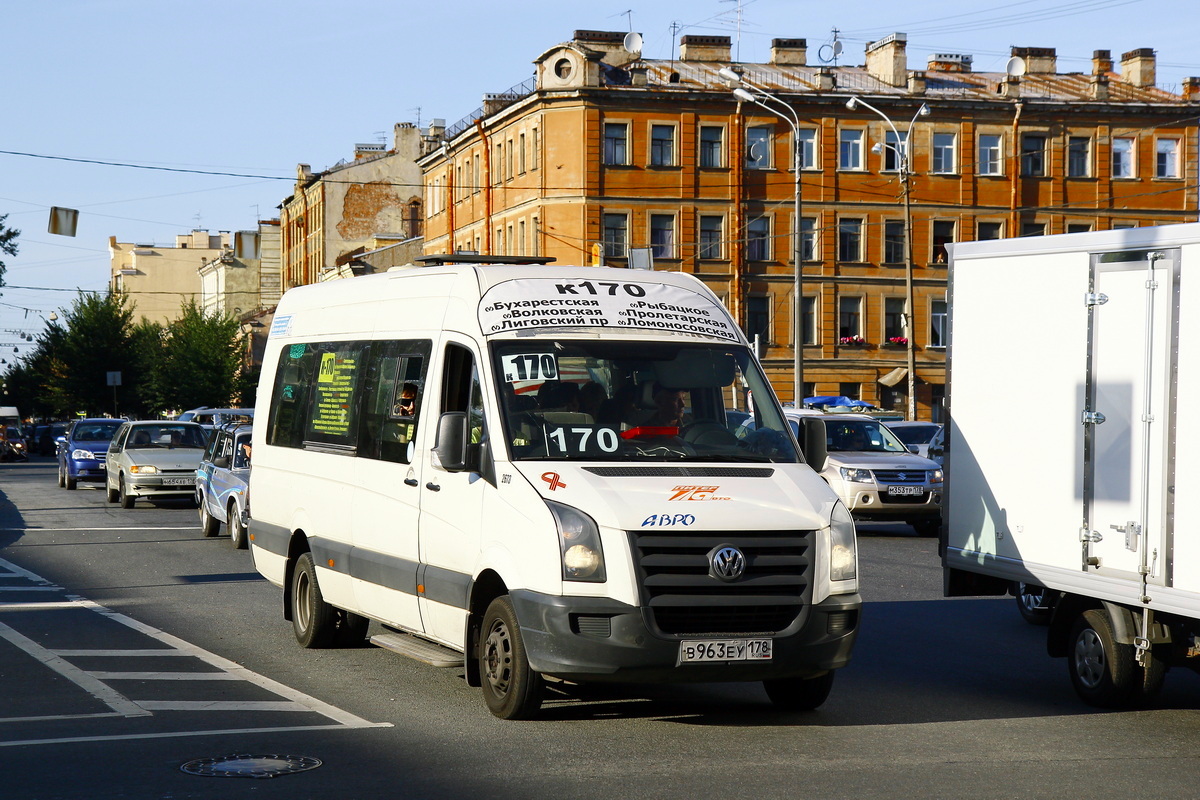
(450, 447)
(816, 452)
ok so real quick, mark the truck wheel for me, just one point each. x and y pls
(799, 694)
(1031, 602)
(511, 689)
(123, 494)
(1101, 669)
(209, 525)
(1152, 674)
(237, 531)
(313, 620)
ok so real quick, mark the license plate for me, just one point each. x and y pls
(691, 652)
(177, 481)
(905, 491)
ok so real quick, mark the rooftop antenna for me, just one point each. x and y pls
(418, 110)
(830, 52)
(737, 52)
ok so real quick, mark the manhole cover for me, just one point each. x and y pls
(249, 766)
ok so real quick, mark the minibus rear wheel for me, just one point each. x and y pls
(511, 689)
(313, 620)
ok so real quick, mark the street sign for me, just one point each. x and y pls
(114, 379)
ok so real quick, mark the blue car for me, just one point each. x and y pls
(81, 452)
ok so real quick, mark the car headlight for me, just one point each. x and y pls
(579, 544)
(855, 475)
(82, 455)
(843, 548)
(143, 469)
(935, 476)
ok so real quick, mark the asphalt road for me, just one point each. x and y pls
(131, 646)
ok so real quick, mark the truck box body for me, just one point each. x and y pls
(1072, 359)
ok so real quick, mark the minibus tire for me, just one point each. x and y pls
(799, 694)
(511, 689)
(313, 620)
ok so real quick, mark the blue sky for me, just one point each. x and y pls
(257, 86)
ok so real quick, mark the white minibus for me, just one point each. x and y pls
(527, 470)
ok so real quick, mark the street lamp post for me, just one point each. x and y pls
(903, 162)
(749, 93)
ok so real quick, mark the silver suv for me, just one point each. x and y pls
(875, 474)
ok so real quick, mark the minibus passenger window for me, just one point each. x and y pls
(394, 380)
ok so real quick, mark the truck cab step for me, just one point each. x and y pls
(421, 649)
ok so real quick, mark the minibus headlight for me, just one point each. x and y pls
(855, 475)
(579, 543)
(843, 556)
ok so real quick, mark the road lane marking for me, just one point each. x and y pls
(133, 528)
(164, 676)
(93, 686)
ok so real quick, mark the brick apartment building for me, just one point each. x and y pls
(608, 157)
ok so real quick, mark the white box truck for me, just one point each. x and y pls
(1069, 357)
(528, 471)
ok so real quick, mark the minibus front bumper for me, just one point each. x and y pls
(597, 639)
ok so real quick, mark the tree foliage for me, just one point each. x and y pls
(197, 361)
(8, 244)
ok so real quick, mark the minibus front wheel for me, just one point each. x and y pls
(511, 689)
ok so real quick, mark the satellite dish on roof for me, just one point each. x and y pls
(837, 47)
(633, 42)
(1015, 67)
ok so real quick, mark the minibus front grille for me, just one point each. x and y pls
(682, 596)
(681, 472)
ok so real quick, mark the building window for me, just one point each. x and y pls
(851, 390)
(662, 235)
(662, 145)
(986, 231)
(710, 237)
(616, 227)
(1078, 227)
(937, 324)
(1166, 162)
(943, 234)
(895, 146)
(712, 146)
(808, 239)
(893, 242)
(1122, 158)
(893, 319)
(521, 155)
(758, 147)
(806, 141)
(850, 149)
(991, 157)
(1033, 229)
(850, 240)
(945, 158)
(849, 317)
(1033, 155)
(498, 165)
(509, 164)
(616, 139)
(533, 151)
(1079, 157)
(808, 320)
(758, 318)
(758, 239)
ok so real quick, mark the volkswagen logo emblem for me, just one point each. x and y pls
(726, 563)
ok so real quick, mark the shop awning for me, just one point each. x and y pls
(894, 377)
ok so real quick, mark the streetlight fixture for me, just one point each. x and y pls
(901, 151)
(747, 92)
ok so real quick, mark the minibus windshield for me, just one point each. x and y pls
(637, 401)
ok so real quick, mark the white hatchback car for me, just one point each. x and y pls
(875, 474)
(153, 458)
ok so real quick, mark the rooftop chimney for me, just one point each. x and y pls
(610, 43)
(887, 60)
(789, 52)
(916, 82)
(1098, 89)
(1137, 67)
(1038, 60)
(826, 80)
(1101, 62)
(1191, 89)
(950, 62)
(704, 48)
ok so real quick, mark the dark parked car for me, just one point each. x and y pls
(223, 482)
(44, 442)
(81, 456)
